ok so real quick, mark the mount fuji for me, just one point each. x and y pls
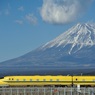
(74, 49)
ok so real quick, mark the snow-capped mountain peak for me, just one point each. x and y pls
(80, 35)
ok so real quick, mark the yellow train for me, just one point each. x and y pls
(48, 80)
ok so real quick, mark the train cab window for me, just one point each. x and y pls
(17, 80)
(37, 79)
(50, 79)
(57, 80)
(30, 79)
(83, 80)
(24, 79)
(44, 79)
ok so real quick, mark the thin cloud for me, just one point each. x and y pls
(19, 22)
(7, 12)
(9, 7)
(63, 11)
(21, 8)
(31, 19)
(87, 65)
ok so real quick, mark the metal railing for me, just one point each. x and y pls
(47, 91)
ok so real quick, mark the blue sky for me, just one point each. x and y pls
(27, 24)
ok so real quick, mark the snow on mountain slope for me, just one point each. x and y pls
(81, 35)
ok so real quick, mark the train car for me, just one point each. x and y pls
(36, 80)
(84, 80)
(48, 80)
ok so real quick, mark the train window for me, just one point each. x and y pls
(17, 79)
(93, 79)
(50, 79)
(83, 80)
(57, 80)
(24, 79)
(30, 79)
(12, 79)
(37, 79)
(76, 79)
(44, 79)
(9, 78)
